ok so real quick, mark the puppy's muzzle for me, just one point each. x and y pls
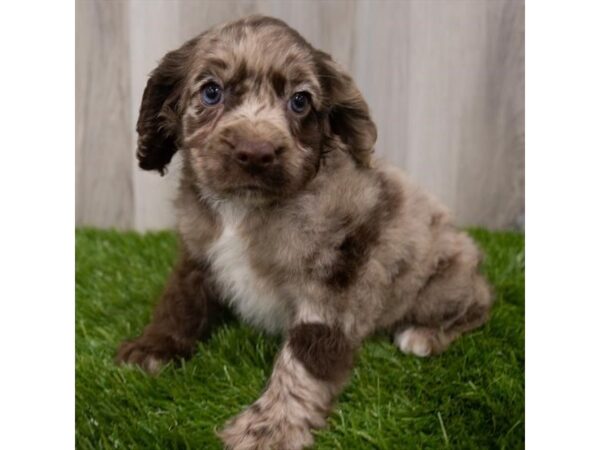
(256, 155)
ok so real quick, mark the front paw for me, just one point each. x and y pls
(258, 428)
(150, 353)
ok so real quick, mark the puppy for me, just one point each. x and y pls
(285, 218)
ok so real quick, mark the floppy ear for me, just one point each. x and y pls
(159, 120)
(349, 116)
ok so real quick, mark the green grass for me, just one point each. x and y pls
(472, 396)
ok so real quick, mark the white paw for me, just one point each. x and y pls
(414, 341)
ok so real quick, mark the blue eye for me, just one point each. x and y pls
(299, 102)
(212, 94)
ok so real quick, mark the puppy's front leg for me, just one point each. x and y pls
(185, 312)
(309, 373)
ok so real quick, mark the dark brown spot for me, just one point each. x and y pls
(240, 74)
(238, 86)
(278, 83)
(234, 95)
(436, 219)
(260, 431)
(354, 250)
(352, 254)
(255, 408)
(323, 350)
(308, 131)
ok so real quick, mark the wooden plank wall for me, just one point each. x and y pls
(444, 79)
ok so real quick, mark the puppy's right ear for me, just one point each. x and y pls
(159, 120)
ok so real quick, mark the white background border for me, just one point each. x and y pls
(37, 182)
(562, 216)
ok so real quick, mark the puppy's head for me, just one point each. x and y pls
(253, 107)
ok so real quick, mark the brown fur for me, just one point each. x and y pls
(354, 249)
(317, 240)
(187, 310)
(323, 350)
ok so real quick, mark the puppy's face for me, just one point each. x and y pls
(252, 123)
(253, 107)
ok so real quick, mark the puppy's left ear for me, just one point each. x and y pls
(159, 120)
(349, 116)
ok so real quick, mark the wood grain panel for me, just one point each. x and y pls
(380, 67)
(154, 31)
(103, 153)
(491, 170)
(466, 117)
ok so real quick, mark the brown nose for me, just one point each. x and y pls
(259, 154)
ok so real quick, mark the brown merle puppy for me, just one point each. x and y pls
(285, 218)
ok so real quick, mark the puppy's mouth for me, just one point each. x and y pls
(268, 182)
(252, 170)
(251, 189)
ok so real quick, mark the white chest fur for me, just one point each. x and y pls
(248, 294)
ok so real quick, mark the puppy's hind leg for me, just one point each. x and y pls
(422, 341)
(456, 299)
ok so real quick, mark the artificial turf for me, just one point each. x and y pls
(471, 396)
